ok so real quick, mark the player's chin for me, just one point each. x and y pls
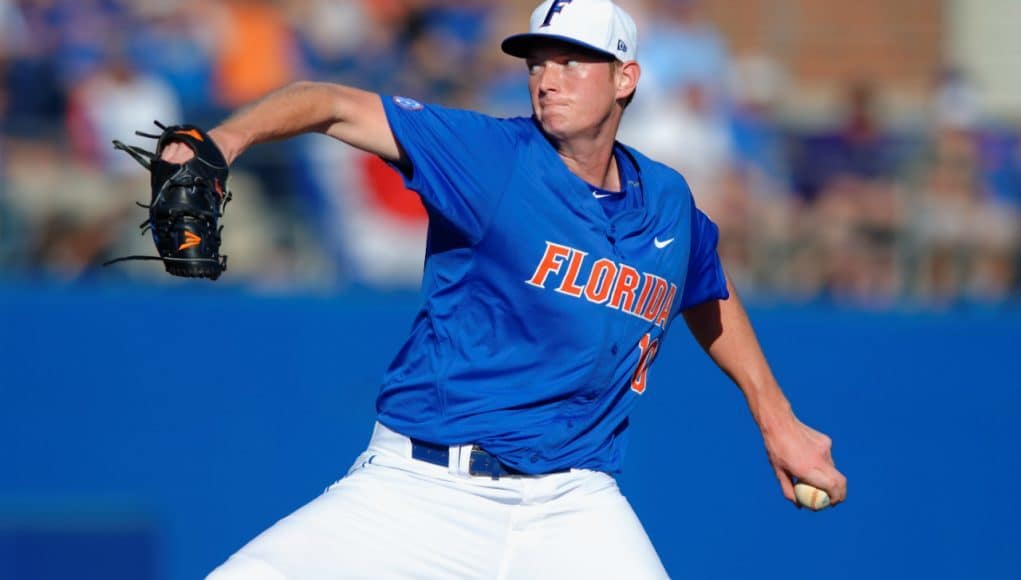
(554, 124)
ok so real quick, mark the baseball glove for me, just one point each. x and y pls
(187, 202)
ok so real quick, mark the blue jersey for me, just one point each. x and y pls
(542, 307)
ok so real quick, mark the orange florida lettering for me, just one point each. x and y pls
(646, 286)
(619, 286)
(569, 284)
(664, 313)
(656, 301)
(600, 281)
(550, 263)
(627, 282)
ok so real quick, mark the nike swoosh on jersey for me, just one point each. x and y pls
(662, 244)
(597, 195)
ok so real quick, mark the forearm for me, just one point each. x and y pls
(723, 330)
(346, 113)
(796, 451)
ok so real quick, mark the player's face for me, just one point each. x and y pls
(574, 91)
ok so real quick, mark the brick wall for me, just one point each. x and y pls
(827, 44)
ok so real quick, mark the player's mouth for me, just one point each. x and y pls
(552, 104)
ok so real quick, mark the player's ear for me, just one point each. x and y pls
(627, 78)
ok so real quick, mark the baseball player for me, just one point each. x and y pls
(557, 260)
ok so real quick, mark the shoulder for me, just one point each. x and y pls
(659, 177)
(519, 128)
(521, 133)
(413, 108)
(652, 168)
(406, 111)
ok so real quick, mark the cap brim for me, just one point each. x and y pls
(519, 45)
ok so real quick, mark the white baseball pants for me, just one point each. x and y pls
(393, 516)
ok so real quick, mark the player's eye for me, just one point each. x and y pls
(572, 64)
(534, 68)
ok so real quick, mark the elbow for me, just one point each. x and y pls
(335, 104)
(705, 321)
(328, 102)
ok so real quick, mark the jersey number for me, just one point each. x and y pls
(648, 351)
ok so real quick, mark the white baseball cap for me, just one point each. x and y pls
(598, 25)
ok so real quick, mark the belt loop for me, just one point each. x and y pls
(454, 460)
(459, 462)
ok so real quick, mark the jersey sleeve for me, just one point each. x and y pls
(705, 280)
(461, 161)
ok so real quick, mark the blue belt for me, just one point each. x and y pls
(480, 462)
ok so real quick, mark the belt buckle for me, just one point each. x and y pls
(482, 463)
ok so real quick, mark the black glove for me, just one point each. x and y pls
(187, 203)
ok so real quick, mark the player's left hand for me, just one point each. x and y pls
(188, 178)
(799, 453)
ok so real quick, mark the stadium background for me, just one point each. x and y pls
(862, 159)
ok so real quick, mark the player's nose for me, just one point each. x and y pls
(549, 77)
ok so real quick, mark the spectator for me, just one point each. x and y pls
(113, 103)
(170, 43)
(257, 50)
(682, 48)
(966, 242)
(686, 134)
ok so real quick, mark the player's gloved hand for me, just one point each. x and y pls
(799, 453)
(189, 194)
(177, 152)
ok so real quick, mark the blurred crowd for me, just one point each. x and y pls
(860, 206)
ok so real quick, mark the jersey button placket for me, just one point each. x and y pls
(611, 236)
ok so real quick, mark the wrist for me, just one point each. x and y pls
(771, 410)
(230, 143)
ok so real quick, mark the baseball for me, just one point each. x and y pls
(813, 498)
